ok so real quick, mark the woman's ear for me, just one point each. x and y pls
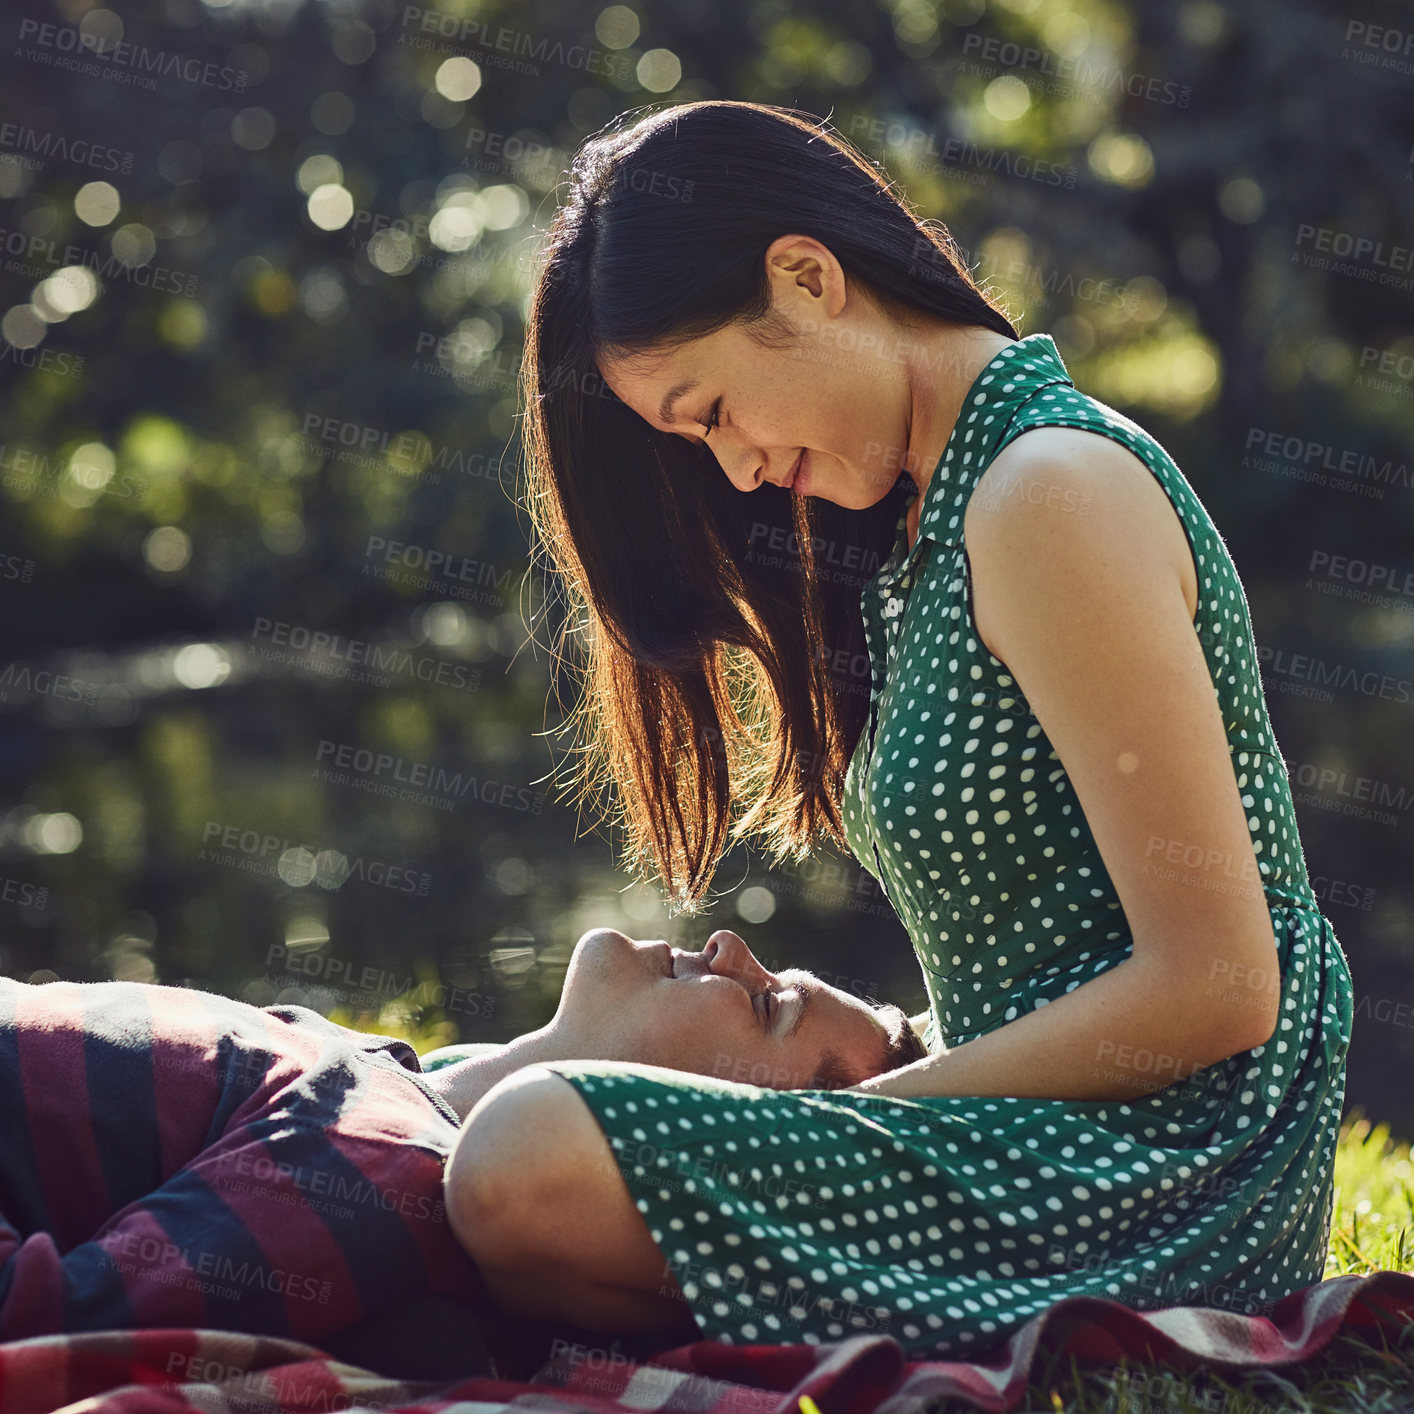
(807, 281)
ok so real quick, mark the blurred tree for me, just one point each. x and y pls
(268, 720)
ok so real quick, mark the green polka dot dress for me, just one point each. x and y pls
(948, 1222)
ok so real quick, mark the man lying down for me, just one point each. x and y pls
(169, 1157)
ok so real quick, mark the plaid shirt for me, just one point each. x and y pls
(169, 1157)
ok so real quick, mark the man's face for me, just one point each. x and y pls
(716, 1012)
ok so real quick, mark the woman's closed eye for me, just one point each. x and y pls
(714, 419)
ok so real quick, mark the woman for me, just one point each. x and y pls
(1062, 772)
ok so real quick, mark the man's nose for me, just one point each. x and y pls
(729, 956)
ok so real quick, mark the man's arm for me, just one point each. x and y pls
(280, 1229)
(291, 1189)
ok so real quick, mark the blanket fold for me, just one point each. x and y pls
(186, 1371)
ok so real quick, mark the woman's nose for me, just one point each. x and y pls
(743, 470)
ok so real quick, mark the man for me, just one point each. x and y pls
(169, 1157)
(717, 1012)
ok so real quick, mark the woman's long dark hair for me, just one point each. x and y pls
(720, 661)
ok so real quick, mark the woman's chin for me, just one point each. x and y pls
(858, 494)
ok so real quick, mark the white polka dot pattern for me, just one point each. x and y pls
(948, 1222)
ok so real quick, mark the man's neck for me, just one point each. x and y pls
(463, 1083)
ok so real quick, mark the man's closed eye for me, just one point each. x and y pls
(769, 1007)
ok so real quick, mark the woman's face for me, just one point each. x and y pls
(827, 416)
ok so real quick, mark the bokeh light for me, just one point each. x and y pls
(97, 203)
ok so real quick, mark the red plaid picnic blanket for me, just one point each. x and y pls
(202, 1372)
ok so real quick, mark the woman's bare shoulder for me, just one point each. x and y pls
(1081, 475)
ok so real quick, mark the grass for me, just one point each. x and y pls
(1372, 1229)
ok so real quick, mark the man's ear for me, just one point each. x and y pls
(831, 1073)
